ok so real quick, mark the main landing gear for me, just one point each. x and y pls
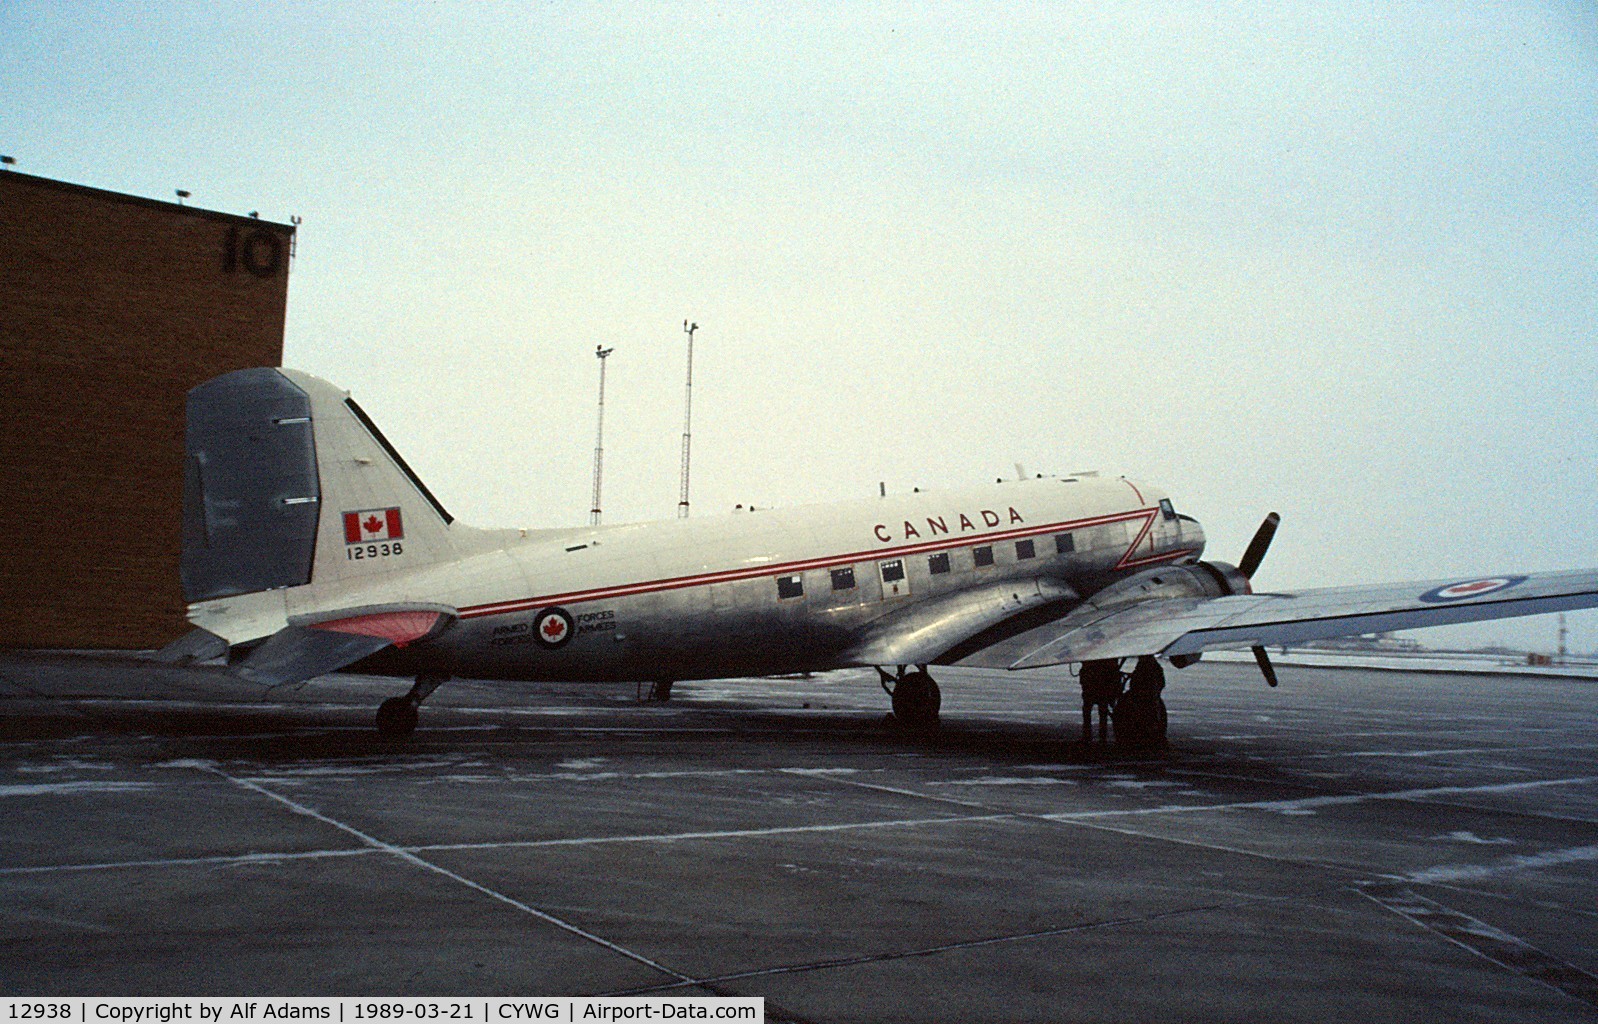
(1132, 702)
(916, 699)
(396, 717)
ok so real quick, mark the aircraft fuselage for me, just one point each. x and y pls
(784, 590)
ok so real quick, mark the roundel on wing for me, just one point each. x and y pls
(1470, 588)
(553, 627)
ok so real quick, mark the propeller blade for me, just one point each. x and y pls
(1265, 665)
(1258, 546)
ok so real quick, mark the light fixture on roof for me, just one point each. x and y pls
(183, 194)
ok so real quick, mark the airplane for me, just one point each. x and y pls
(309, 546)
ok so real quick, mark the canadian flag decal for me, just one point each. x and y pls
(372, 524)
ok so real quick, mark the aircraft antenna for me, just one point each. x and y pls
(599, 436)
(687, 419)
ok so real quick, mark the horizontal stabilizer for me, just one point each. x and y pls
(298, 653)
(308, 649)
(195, 645)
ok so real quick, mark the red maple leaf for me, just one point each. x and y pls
(554, 627)
(373, 524)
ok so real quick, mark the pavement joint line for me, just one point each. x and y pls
(411, 858)
(180, 862)
(1494, 945)
(1037, 817)
(1550, 905)
(1218, 847)
(1506, 748)
(991, 940)
(1518, 862)
(1526, 862)
(1437, 875)
(1519, 812)
(1330, 800)
(673, 837)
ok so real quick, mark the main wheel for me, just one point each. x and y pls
(1140, 720)
(916, 701)
(396, 717)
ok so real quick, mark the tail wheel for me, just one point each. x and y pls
(916, 701)
(396, 717)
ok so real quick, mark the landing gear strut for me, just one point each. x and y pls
(916, 699)
(396, 717)
(1140, 712)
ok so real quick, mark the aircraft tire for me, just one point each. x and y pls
(396, 717)
(916, 700)
(1140, 721)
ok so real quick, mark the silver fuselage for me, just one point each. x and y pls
(782, 590)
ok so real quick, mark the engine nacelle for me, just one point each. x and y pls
(1229, 577)
(1197, 579)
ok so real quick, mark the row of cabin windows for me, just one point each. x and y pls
(937, 565)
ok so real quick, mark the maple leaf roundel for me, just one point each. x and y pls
(553, 627)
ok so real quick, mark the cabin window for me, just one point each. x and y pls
(1025, 549)
(1167, 509)
(982, 556)
(843, 579)
(790, 586)
(893, 572)
(1064, 544)
(938, 563)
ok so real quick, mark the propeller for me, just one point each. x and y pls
(1258, 546)
(1248, 567)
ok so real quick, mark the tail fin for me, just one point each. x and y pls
(287, 483)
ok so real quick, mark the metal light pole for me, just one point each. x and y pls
(599, 437)
(687, 419)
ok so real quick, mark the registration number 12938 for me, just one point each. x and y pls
(359, 552)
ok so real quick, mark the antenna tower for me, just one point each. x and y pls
(687, 418)
(599, 437)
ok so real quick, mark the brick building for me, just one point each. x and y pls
(111, 308)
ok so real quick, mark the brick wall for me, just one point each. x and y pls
(111, 308)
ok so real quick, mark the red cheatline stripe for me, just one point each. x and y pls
(788, 568)
(1127, 558)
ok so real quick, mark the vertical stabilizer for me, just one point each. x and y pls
(288, 483)
(251, 496)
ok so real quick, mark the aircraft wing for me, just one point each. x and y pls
(1186, 625)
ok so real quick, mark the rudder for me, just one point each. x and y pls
(288, 482)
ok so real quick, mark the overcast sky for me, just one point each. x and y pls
(1335, 260)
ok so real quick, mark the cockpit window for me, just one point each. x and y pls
(1167, 509)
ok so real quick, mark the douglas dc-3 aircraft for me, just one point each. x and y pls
(309, 545)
